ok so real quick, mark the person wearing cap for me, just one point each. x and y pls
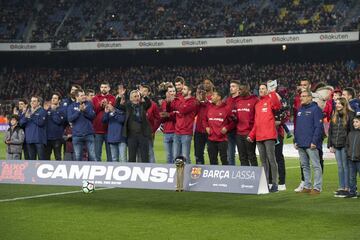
(14, 139)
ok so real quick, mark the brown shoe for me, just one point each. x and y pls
(315, 192)
(305, 190)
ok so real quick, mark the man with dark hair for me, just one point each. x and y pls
(153, 116)
(230, 102)
(204, 94)
(308, 141)
(350, 94)
(22, 106)
(34, 121)
(185, 111)
(90, 94)
(55, 126)
(80, 115)
(137, 128)
(100, 101)
(168, 124)
(218, 122)
(179, 84)
(245, 114)
(71, 98)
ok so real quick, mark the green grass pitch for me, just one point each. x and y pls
(152, 214)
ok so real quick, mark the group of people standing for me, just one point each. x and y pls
(126, 123)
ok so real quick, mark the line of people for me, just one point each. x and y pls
(127, 123)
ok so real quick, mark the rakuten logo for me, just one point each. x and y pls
(109, 45)
(194, 43)
(334, 36)
(285, 39)
(238, 41)
(23, 46)
(151, 44)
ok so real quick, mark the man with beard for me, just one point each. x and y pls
(100, 101)
(245, 114)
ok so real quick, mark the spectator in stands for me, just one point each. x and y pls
(81, 114)
(14, 139)
(100, 101)
(55, 127)
(34, 122)
(308, 141)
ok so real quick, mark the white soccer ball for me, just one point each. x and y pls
(88, 187)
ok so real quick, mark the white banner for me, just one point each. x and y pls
(218, 42)
(25, 47)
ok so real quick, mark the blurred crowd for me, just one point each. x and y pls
(61, 21)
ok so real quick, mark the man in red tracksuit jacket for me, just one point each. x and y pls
(168, 124)
(218, 122)
(265, 134)
(203, 95)
(99, 102)
(230, 102)
(153, 116)
(184, 111)
(245, 114)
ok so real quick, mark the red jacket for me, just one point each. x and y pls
(99, 127)
(328, 109)
(167, 123)
(245, 114)
(184, 111)
(201, 112)
(217, 117)
(264, 127)
(296, 107)
(153, 116)
(230, 103)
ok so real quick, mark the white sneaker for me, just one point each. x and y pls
(270, 186)
(300, 187)
(282, 187)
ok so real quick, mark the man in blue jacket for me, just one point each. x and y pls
(308, 140)
(33, 121)
(350, 94)
(81, 114)
(56, 117)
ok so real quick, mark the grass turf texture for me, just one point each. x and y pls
(153, 214)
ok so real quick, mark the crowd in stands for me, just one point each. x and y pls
(43, 81)
(94, 20)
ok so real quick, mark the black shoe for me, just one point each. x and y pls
(341, 194)
(351, 195)
(274, 189)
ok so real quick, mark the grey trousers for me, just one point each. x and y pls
(267, 157)
(13, 156)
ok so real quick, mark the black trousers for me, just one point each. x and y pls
(216, 148)
(321, 155)
(138, 143)
(53, 145)
(280, 160)
(246, 151)
(200, 140)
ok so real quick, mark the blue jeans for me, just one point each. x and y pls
(354, 168)
(78, 144)
(343, 168)
(307, 155)
(168, 145)
(99, 140)
(118, 152)
(182, 144)
(231, 147)
(36, 150)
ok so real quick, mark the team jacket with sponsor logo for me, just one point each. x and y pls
(264, 126)
(115, 121)
(217, 117)
(153, 116)
(81, 120)
(35, 127)
(201, 111)
(99, 126)
(184, 111)
(55, 123)
(309, 126)
(167, 123)
(245, 114)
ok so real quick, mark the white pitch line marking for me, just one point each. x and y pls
(47, 195)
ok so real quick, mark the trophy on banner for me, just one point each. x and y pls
(180, 165)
